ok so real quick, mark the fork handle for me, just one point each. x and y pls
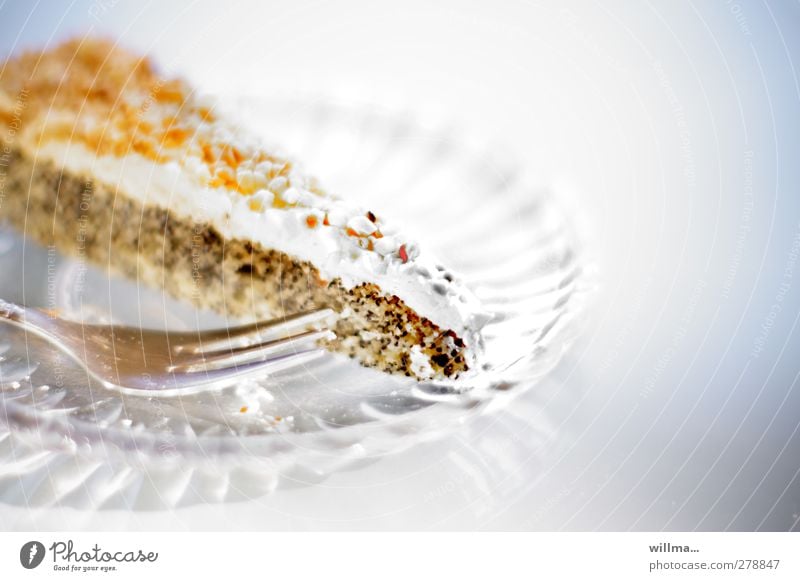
(23, 317)
(29, 319)
(12, 312)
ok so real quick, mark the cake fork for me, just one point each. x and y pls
(149, 362)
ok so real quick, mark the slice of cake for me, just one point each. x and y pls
(106, 160)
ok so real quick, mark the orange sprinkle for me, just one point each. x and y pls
(377, 234)
(119, 148)
(208, 154)
(311, 220)
(243, 409)
(175, 137)
(370, 245)
(325, 221)
(205, 114)
(229, 157)
(170, 92)
(351, 232)
(146, 149)
(237, 155)
(225, 175)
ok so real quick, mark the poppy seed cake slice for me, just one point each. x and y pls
(105, 159)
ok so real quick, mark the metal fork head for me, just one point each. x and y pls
(149, 362)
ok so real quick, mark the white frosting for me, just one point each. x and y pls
(420, 364)
(423, 285)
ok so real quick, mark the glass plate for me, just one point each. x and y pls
(69, 442)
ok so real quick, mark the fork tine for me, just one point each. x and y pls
(229, 358)
(227, 376)
(273, 364)
(213, 341)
